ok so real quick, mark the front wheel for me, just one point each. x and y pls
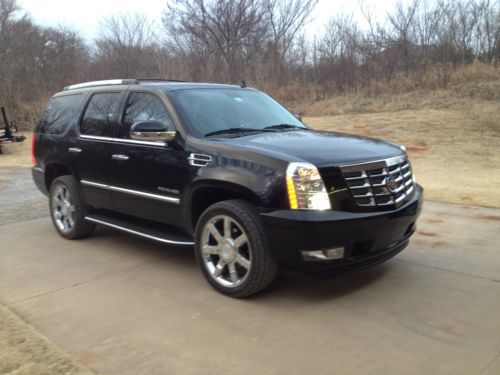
(68, 208)
(232, 250)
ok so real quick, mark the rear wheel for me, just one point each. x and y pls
(68, 208)
(232, 250)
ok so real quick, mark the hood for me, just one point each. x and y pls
(318, 147)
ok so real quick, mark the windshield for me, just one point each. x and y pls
(227, 111)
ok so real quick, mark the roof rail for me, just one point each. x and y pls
(103, 83)
(159, 80)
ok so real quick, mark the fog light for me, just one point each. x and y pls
(319, 255)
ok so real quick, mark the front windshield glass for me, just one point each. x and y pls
(219, 110)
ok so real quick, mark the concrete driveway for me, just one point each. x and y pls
(122, 305)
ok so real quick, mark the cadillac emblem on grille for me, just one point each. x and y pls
(392, 185)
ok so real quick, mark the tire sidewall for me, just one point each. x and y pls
(55, 184)
(80, 227)
(210, 212)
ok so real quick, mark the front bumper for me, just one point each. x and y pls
(368, 238)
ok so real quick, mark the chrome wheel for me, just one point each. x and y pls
(226, 251)
(63, 209)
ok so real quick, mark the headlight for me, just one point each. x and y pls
(306, 189)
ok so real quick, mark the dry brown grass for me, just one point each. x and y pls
(454, 152)
(453, 135)
(24, 351)
(472, 94)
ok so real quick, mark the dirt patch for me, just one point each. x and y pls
(434, 221)
(24, 351)
(489, 218)
(450, 330)
(424, 233)
(416, 149)
(439, 244)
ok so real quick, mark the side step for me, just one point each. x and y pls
(153, 231)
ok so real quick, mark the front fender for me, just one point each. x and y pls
(263, 182)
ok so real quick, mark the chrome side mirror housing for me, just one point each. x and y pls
(154, 131)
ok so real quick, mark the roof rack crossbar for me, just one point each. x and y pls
(103, 83)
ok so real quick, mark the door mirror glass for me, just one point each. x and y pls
(154, 131)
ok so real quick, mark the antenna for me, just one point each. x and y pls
(243, 84)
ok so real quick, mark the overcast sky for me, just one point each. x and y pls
(84, 15)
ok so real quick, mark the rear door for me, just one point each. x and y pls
(93, 149)
(147, 177)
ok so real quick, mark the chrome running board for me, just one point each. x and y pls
(153, 234)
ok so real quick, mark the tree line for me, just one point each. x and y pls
(263, 42)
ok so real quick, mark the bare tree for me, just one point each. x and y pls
(488, 32)
(286, 18)
(231, 31)
(402, 21)
(418, 42)
(461, 18)
(127, 46)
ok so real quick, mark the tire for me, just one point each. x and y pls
(232, 250)
(68, 209)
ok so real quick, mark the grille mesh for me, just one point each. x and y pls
(379, 184)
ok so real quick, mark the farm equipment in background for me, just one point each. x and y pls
(7, 133)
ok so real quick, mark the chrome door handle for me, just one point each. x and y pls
(119, 157)
(74, 150)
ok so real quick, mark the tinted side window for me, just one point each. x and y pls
(61, 112)
(100, 113)
(143, 107)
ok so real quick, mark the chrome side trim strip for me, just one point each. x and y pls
(132, 192)
(120, 140)
(94, 184)
(145, 195)
(154, 238)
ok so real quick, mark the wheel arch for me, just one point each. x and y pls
(54, 170)
(205, 193)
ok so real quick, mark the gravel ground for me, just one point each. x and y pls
(19, 197)
(23, 350)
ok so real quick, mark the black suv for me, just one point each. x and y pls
(225, 169)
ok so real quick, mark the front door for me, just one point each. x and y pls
(146, 177)
(93, 148)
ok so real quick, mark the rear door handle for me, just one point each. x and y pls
(74, 150)
(119, 157)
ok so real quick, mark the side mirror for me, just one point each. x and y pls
(298, 117)
(154, 131)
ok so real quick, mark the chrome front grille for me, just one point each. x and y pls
(381, 183)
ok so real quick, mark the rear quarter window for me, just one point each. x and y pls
(100, 114)
(61, 112)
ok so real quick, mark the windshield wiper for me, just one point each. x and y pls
(235, 130)
(286, 126)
